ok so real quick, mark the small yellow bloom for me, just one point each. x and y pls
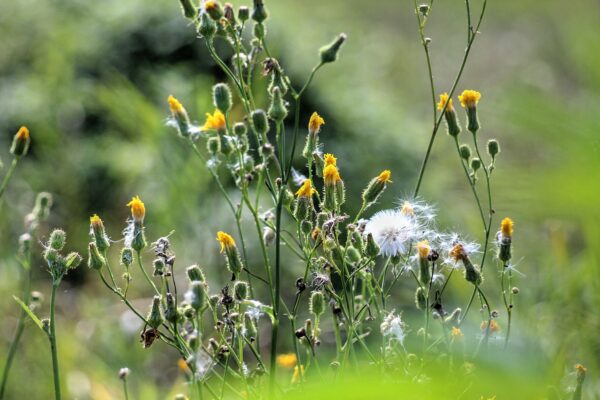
(330, 160)
(331, 175)
(385, 176)
(288, 360)
(580, 369)
(407, 209)
(506, 227)
(226, 240)
(456, 333)
(138, 210)
(298, 373)
(314, 125)
(23, 133)
(494, 326)
(182, 365)
(423, 248)
(175, 106)
(444, 98)
(306, 190)
(457, 252)
(469, 98)
(216, 121)
(95, 220)
(210, 4)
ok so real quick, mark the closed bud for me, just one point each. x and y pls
(259, 31)
(98, 233)
(239, 129)
(266, 150)
(229, 13)
(171, 313)
(465, 152)
(241, 290)
(317, 303)
(472, 274)
(57, 240)
(74, 260)
(420, 298)
(124, 373)
(213, 145)
(330, 52)
(222, 97)
(194, 273)
(277, 109)
(188, 9)
(424, 9)
(207, 27)
(372, 248)
(243, 13)
(376, 187)
(196, 296)
(259, 12)
(213, 9)
(43, 202)
(159, 267)
(21, 141)
(155, 317)
(353, 254)
(268, 235)
(138, 242)
(127, 256)
(475, 163)
(261, 124)
(515, 290)
(424, 271)
(493, 148)
(95, 259)
(188, 313)
(24, 244)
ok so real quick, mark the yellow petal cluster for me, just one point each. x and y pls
(331, 175)
(444, 98)
(385, 176)
(23, 133)
(506, 227)
(288, 360)
(216, 121)
(175, 106)
(138, 210)
(330, 160)
(306, 190)
(314, 125)
(469, 98)
(226, 240)
(423, 248)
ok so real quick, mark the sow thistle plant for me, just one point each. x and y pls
(236, 340)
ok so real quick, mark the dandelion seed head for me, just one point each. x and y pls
(392, 231)
(393, 327)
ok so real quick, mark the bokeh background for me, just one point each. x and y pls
(90, 80)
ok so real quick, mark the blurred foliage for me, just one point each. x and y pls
(90, 79)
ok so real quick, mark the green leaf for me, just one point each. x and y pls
(30, 313)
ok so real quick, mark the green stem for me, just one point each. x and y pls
(52, 338)
(139, 261)
(125, 389)
(8, 175)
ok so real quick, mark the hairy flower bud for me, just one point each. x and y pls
(241, 290)
(188, 9)
(420, 298)
(95, 259)
(57, 240)
(98, 233)
(277, 109)
(207, 27)
(329, 53)
(194, 273)
(243, 13)
(259, 12)
(155, 317)
(222, 97)
(21, 141)
(127, 256)
(465, 152)
(317, 303)
(260, 122)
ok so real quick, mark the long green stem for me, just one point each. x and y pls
(8, 175)
(52, 338)
(141, 265)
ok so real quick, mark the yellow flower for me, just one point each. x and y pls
(506, 227)
(95, 220)
(456, 333)
(314, 125)
(444, 98)
(210, 4)
(298, 373)
(331, 175)
(330, 160)
(183, 366)
(175, 106)
(306, 190)
(407, 209)
(226, 240)
(23, 133)
(216, 121)
(457, 252)
(288, 360)
(384, 176)
(469, 98)
(581, 370)
(138, 210)
(494, 326)
(423, 248)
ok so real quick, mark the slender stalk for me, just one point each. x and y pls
(8, 175)
(52, 338)
(125, 393)
(139, 261)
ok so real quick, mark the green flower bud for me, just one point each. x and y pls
(171, 313)
(353, 254)
(259, 31)
(229, 14)
(330, 52)
(317, 303)
(95, 259)
(472, 274)
(21, 141)
(261, 125)
(139, 239)
(493, 148)
(197, 295)
(465, 151)
(188, 9)
(424, 271)
(127, 256)
(239, 129)
(43, 202)
(51, 255)
(57, 240)
(213, 9)
(277, 109)
(259, 12)
(451, 121)
(243, 13)
(155, 317)
(376, 187)
(73, 260)
(306, 227)
(195, 273)
(207, 27)
(222, 97)
(99, 233)
(213, 145)
(372, 249)
(159, 267)
(475, 163)
(241, 290)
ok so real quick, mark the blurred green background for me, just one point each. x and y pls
(90, 80)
